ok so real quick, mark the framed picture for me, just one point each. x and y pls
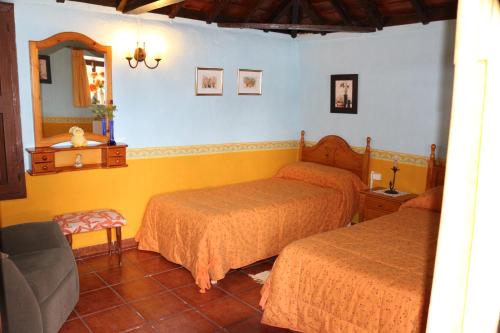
(344, 93)
(209, 81)
(45, 73)
(249, 82)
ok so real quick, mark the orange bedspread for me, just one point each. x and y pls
(373, 277)
(210, 231)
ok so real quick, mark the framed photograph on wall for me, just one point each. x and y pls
(209, 81)
(249, 82)
(344, 93)
(45, 73)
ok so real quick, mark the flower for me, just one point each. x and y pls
(104, 111)
(92, 87)
(110, 110)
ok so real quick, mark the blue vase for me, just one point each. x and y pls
(112, 141)
(103, 126)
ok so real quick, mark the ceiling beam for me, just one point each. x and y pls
(421, 11)
(342, 11)
(281, 11)
(311, 12)
(60, 1)
(444, 12)
(253, 9)
(120, 5)
(218, 8)
(144, 6)
(298, 27)
(175, 9)
(295, 16)
(373, 14)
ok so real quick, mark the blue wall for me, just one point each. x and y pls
(405, 79)
(405, 85)
(158, 107)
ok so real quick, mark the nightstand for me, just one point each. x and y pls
(374, 204)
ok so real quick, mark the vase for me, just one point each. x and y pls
(101, 96)
(111, 141)
(345, 100)
(103, 126)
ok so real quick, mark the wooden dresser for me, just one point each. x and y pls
(373, 205)
(48, 160)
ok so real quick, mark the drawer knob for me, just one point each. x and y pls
(117, 153)
(44, 157)
(380, 205)
(117, 161)
(45, 167)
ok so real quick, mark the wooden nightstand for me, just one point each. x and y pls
(373, 204)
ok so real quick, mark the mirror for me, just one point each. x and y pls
(70, 74)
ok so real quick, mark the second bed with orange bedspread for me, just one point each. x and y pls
(210, 231)
(372, 277)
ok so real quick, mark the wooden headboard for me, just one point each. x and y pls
(334, 151)
(435, 170)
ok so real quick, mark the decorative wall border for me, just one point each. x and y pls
(209, 149)
(404, 158)
(68, 120)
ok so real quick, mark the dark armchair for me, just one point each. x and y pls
(40, 285)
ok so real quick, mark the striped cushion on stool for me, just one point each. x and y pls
(92, 220)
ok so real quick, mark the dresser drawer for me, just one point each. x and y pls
(373, 214)
(42, 157)
(116, 152)
(381, 204)
(116, 161)
(43, 167)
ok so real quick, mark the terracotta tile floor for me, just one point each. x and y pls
(150, 294)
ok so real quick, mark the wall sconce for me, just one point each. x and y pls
(140, 56)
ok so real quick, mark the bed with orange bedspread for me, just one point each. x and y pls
(372, 277)
(210, 231)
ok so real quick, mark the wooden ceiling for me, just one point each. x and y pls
(295, 16)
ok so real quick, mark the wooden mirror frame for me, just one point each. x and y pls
(35, 46)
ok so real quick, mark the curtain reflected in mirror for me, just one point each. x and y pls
(81, 89)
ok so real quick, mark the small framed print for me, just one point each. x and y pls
(249, 82)
(45, 73)
(344, 93)
(209, 81)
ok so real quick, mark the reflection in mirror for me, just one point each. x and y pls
(77, 81)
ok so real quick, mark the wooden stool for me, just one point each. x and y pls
(93, 220)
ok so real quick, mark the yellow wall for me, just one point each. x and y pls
(410, 177)
(129, 189)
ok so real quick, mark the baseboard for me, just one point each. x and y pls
(98, 249)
